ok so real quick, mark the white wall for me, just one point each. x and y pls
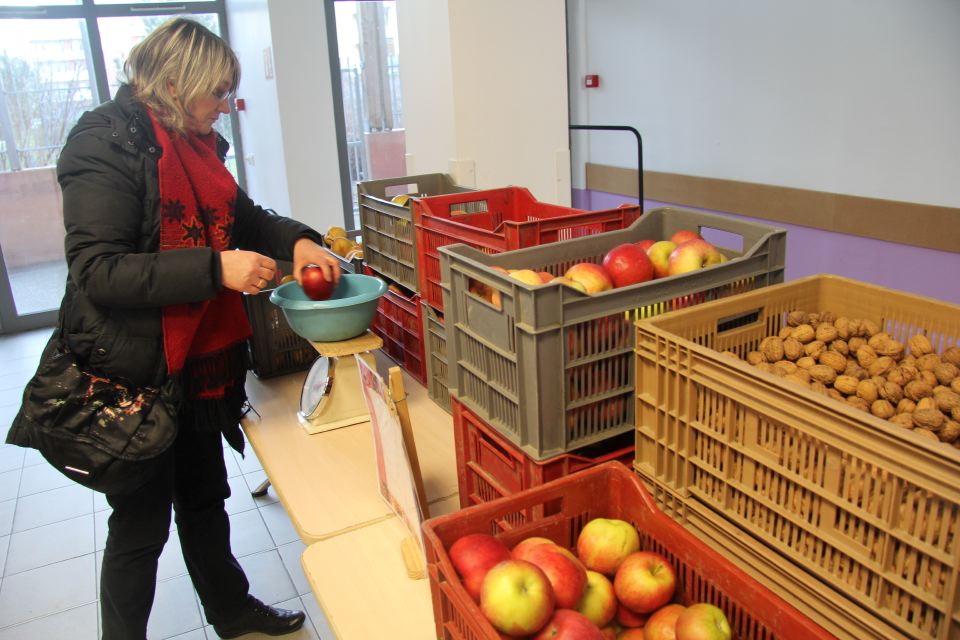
(263, 159)
(309, 138)
(852, 96)
(485, 95)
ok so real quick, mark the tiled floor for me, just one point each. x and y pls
(52, 534)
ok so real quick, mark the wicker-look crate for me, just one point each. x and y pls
(608, 490)
(857, 520)
(552, 368)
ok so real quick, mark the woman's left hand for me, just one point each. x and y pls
(306, 252)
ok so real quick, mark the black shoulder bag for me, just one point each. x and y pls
(101, 433)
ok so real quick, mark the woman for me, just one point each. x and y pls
(161, 244)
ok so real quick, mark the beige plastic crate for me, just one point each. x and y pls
(855, 519)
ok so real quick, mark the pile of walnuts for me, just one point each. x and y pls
(853, 361)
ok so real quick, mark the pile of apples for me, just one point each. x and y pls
(608, 590)
(626, 264)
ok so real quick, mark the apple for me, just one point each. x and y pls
(703, 621)
(592, 276)
(662, 625)
(605, 542)
(473, 555)
(627, 618)
(519, 550)
(683, 235)
(644, 244)
(598, 602)
(545, 276)
(659, 254)
(610, 632)
(567, 575)
(566, 624)
(692, 255)
(516, 597)
(573, 284)
(631, 633)
(627, 264)
(314, 284)
(645, 581)
(526, 275)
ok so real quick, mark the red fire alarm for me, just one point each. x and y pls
(239, 104)
(591, 81)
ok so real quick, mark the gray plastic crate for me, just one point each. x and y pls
(552, 369)
(389, 236)
(435, 346)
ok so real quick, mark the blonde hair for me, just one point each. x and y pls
(189, 56)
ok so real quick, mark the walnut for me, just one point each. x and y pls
(802, 374)
(917, 389)
(828, 316)
(955, 385)
(814, 349)
(955, 414)
(813, 319)
(842, 325)
(846, 385)
(855, 370)
(785, 332)
(796, 318)
(929, 377)
(866, 355)
(840, 346)
(902, 375)
(823, 373)
(755, 357)
(906, 406)
(867, 390)
(792, 349)
(869, 328)
(926, 433)
(859, 403)
(856, 327)
(950, 431)
(836, 395)
(834, 360)
(772, 349)
(924, 404)
(804, 333)
(826, 332)
(946, 400)
(881, 366)
(952, 355)
(928, 362)
(784, 367)
(806, 362)
(931, 419)
(920, 345)
(891, 391)
(908, 361)
(945, 372)
(904, 420)
(882, 409)
(854, 343)
(818, 387)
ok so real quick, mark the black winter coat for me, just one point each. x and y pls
(118, 279)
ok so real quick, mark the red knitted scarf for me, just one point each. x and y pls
(197, 197)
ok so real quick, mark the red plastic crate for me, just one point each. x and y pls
(609, 490)
(498, 220)
(400, 324)
(490, 467)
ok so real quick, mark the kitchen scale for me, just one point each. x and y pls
(331, 397)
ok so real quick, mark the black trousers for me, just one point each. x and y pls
(195, 483)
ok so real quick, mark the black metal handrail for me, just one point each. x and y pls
(617, 127)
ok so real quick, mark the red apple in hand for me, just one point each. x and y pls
(516, 597)
(703, 621)
(566, 574)
(592, 276)
(627, 264)
(659, 254)
(662, 625)
(569, 625)
(645, 581)
(692, 255)
(683, 235)
(473, 555)
(314, 284)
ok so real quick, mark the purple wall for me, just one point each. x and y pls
(925, 272)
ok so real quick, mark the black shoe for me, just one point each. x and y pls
(258, 617)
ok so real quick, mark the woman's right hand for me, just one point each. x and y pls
(246, 271)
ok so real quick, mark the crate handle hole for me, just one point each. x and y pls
(729, 323)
